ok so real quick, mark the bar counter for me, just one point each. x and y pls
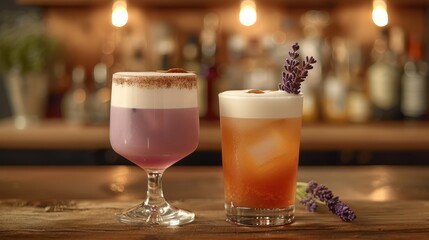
(53, 202)
(383, 136)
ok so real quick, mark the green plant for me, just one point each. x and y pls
(25, 47)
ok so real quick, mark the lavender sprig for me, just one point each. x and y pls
(309, 204)
(310, 194)
(295, 72)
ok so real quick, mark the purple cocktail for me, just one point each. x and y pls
(154, 123)
(154, 138)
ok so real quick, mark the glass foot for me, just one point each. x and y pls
(165, 215)
(260, 216)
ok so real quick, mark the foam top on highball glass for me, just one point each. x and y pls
(269, 104)
(154, 90)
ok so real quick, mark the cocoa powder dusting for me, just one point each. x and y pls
(157, 81)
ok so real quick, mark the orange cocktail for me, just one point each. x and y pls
(260, 150)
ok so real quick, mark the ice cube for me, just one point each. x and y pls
(266, 146)
(252, 127)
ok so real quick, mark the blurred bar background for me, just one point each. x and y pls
(366, 102)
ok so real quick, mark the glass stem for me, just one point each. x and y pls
(155, 196)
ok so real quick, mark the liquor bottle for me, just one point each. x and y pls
(334, 98)
(384, 82)
(310, 108)
(414, 83)
(99, 99)
(191, 62)
(314, 44)
(209, 67)
(335, 87)
(56, 93)
(358, 105)
(74, 105)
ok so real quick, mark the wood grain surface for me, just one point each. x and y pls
(96, 220)
(81, 203)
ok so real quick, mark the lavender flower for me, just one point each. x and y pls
(341, 209)
(312, 193)
(295, 72)
(309, 204)
(319, 191)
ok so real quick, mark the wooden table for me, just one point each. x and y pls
(80, 203)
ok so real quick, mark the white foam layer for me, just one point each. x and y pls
(270, 104)
(162, 98)
(154, 90)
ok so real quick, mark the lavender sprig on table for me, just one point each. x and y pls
(309, 204)
(311, 193)
(295, 72)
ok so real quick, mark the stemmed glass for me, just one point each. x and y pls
(154, 122)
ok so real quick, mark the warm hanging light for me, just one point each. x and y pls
(119, 13)
(379, 13)
(248, 12)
